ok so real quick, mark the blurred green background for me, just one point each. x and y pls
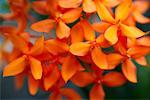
(139, 91)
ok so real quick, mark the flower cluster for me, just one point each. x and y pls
(89, 40)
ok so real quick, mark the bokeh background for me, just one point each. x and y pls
(139, 91)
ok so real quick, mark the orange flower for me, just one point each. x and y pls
(112, 79)
(138, 8)
(136, 50)
(59, 20)
(117, 21)
(12, 69)
(66, 92)
(87, 5)
(101, 59)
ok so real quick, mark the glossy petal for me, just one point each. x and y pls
(15, 67)
(37, 47)
(71, 15)
(69, 67)
(77, 34)
(129, 70)
(70, 94)
(102, 41)
(111, 3)
(32, 85)
(111, 34)
(141, 61)
(56, 46)
(99, 58)
(114, 79)
(114, 59)
(89, 33)
(100, 26)
(86, 77)
(69, 3)
(131, 32)
(144, 41)
(52, 78)
(138, 51)
(123, 10)
(36, 68)
(80, 48)
(62, 30)
(97, 92)
(43, 26)
(103, 12)
(89, 6)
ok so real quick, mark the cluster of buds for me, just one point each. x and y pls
(89, 40)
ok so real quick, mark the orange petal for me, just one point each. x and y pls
(19, 80)
(102, 41)
(138, 51)
(37, 47)
(111, 34)
(99, 58)
(86, 77)
(40, 7)
(87, 58)
(32, 85)
(71, 15)
(114, 79)
(55, 96)
(52, 7)
(103, 12)
(123, 10)
(56, 46)
(129, 70)
(130, 21)
(89, 6)
(76, 33)
(69, 3)
(131, 31)
(140, 18)
(97, 92)
(80, 48)
(19, 43)
(43, 26)
(36, 68)
(141, 61)
(111, 3)
(52, 78)
(69, 67)
(114, 59)
(15, 67)
(25, 36)
(100, 26)
(131, 42)
(89, 33)
(70, 94)
(144, 41)
(141, 5)
(62, 30)
(7, 29)
(22, 23)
